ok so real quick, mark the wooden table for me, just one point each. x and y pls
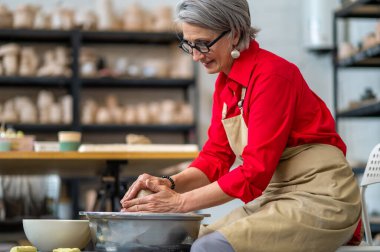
(80, 163)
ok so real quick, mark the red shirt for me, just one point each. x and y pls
(280, 111)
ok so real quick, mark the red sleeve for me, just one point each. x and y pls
(216, 157)
(271, 112)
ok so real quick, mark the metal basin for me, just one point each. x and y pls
(119, 231)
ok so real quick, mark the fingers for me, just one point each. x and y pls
(136, 205)
(136, 187)
(138, 201)
(155, 187)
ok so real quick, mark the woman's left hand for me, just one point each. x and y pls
(162, 200)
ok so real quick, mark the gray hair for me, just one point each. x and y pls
(219, 16)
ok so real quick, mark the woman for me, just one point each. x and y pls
(293, 161)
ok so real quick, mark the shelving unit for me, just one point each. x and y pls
(75, 85)
(369, 58)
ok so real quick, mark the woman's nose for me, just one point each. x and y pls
(197, 55)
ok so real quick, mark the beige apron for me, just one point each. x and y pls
(311, 204)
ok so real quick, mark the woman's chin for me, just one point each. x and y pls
(211, 68)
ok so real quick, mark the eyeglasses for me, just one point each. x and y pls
(202, 47)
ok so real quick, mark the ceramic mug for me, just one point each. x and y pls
(5, 145)
(69, 140)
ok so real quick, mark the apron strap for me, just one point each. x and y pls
(224, 111)
(241, 102)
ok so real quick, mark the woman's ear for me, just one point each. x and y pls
(236, 39)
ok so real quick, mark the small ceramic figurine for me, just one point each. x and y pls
(103, 116)
(142, 113)
(186, 114)
(24, 16)
(10, 54)
(163, 19)
(106, 15)
(55, 116)
(86, 20)
(44, 99)
(26, 110)
(168, 110)
(346, 50)
(369, 41)
(29, 115)
(67, 109)
(154, 112)
(6, 17)
(137, 139)
(130, 116)
(181, 65)
(56, 63)
(9, 112)
(87, 62)
(63, 19)
(42, 21)
(134, 18)
(28, 62)
(89, 112)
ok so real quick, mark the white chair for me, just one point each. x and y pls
(371, 176)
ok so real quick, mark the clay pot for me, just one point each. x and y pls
(24, 16)
(134, 18)
(6, 17)
(106, 15)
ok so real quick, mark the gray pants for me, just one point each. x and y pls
(214, 241)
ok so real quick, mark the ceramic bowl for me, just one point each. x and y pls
(49, 234)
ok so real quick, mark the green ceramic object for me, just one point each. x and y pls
(69, 146)
(5, 146)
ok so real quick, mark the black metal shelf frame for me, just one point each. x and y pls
(41, 128)
(74, 39)
(369, 58)
(360, 9)
(52, 128)
(137, 83)
(372, 110)
(13, 81)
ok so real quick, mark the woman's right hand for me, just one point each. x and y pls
(141, 183)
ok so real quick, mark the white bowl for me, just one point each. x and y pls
(47, 235)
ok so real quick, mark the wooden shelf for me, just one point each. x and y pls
(360, 9)
(366, 58)
(139, 128)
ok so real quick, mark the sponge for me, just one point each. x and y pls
(66, 250)
(24, 249)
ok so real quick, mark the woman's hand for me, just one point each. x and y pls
(141, 183)
(162, 200)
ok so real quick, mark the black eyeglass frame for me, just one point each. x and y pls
(195, 46)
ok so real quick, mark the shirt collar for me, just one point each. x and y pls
(242, 67)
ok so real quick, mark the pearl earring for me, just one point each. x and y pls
(235, 54)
